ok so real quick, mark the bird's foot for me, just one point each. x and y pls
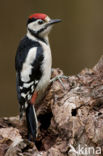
(59, 77)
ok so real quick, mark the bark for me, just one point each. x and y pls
(68, 117)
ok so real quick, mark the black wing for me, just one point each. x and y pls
(26, 89)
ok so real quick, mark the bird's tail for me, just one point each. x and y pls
(31, 121)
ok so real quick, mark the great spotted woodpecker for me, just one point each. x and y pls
(33, 63)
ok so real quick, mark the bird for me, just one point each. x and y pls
(33, 64)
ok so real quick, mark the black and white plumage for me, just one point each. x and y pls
(28, 61)
(33, 67)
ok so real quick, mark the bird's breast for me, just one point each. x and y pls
(46, 68)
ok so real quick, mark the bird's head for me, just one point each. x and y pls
(40, 24)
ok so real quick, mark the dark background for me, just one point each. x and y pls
(76, 43)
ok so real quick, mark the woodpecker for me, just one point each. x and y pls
(33, 64)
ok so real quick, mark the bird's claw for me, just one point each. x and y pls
(59, 77)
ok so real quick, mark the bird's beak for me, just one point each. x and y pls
(53, 21)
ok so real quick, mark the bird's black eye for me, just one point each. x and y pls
(40, 22)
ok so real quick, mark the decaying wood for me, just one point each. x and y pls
(70, 116)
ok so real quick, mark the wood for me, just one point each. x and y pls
(70, 116)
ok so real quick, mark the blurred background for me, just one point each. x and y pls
(76, 43)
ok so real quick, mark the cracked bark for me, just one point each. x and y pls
(70, 116)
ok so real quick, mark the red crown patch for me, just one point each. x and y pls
(38, 16)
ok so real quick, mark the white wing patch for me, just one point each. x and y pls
(27, 65)
(23, 95)
(32, 88)
(26, 85)
(29, 97)
(21, 88)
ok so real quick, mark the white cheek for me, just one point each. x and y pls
(35, 26)
(46, 31)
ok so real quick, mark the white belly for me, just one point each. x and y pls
(46, 68)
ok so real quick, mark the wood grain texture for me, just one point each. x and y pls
(73, 115)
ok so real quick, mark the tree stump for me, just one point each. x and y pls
(70, 119)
